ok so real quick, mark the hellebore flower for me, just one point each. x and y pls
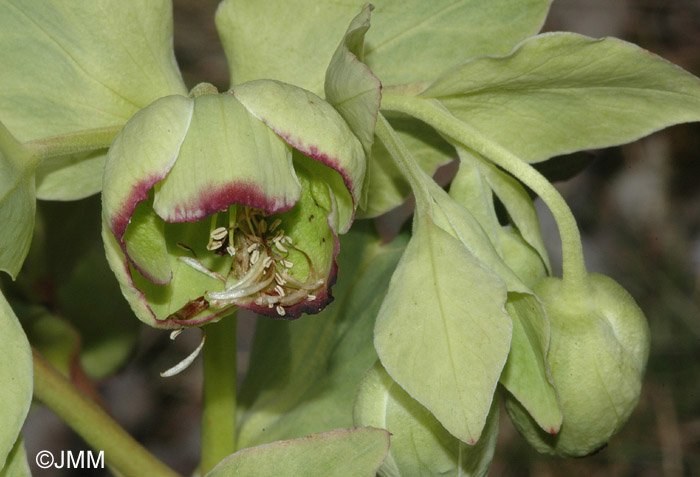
(217, 201)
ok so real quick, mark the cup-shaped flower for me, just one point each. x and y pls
(217, 201)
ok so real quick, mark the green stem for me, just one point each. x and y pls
(405, 162)
(82, 141)
(93, 424)
(432, 113)
(219, 393)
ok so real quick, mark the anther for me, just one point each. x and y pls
(279, 290)
(254, 258)
(219, 233)
(252, 247)
(279, 246)
(287, 263)
(231, 250)
(311, 297)
(275, 224)
(214, 245)
(280, 310)
(279, 279)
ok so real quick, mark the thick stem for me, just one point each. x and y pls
(219, 393)
(428, 111)
(83, 141)
(405, 162)
(93, 424)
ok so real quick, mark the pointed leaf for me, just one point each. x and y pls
(16, 464)
(526, 374)
(442, 332)
(409, 41)
(17, 202)
(386, 187)
(15, 379)
(343, 452)
(419, 444)
(512, 194)
(303, 374)
(72, 176)
(563, 92)
(350, 86)
(93, 63)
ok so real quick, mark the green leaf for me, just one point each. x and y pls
(350, 87)
(414, 41)
(83, 171)
(17, 201)
(563, 92)
(420, 445)
(93, 65)
(303, 374)
(512, 194)
(387, 187)
(442, 332)
(16, 464)
(15, 379)
(410, 40)
(340, 453)
(526, 374)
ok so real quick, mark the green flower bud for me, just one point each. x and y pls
(230, 200)
(598, 351)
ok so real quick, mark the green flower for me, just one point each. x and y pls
(217, 201)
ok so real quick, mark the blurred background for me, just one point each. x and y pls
(638, 207)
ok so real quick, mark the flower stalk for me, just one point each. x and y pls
(219, 393)
(574, 268)
(93, 424)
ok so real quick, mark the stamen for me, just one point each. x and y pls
(219, 233)
(280, 247)
(184, 364)
(213, 245)
(275, 224)
(199, 266)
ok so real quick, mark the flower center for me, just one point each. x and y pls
(261, 269)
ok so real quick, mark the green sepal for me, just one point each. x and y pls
(313, 127)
